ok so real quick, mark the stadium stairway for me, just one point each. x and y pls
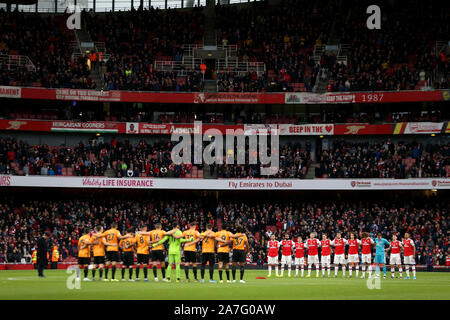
(82, 35)
(110, 173)
(311, 173)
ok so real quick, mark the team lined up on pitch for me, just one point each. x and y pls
(105, 247)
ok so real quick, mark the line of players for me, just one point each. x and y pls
(366, 243)
(105, 247)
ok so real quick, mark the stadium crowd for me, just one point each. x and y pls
(91, 159)
(384, 159)
(282, 36)
(342, 159)
(49, 49)
(21, 222)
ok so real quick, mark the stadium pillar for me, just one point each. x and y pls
(182, 3)
(165, 4)
(113, 3)
(93, 5)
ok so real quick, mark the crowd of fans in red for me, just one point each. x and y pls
(400, 56)
(92, 159)
(21, 222)
(384, 159)
(342, 159)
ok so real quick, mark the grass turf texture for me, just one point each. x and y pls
(26, 285)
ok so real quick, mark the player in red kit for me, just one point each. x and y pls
(353, 258)
(313, 254)
(409, 252)
(394, 259)
(339, 254)
(326, 255)
(299, 255)
(272, 258)
(366, 257)
(286, 254)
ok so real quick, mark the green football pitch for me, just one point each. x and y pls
(26, 285)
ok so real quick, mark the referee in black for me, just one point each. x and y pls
(42, 249)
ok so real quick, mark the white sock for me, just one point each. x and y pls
(401, 272)
(357, 270)
(407, 271)
(317, 270)
(296, 270)
(370, 271)
(309, 270)
(303, 270)
(276, 270)
(289, 271)
(270, 270)
(343, 270)
(328, 270)
(393, 272)
(414, 270)
(282, 270)
(323, 270)
(350, 270)
(363, 269)
(336, 269)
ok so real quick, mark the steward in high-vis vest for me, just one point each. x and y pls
(55, 257)
(34, 258)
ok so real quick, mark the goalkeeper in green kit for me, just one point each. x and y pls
(175, 237)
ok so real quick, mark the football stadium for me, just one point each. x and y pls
(224, 150)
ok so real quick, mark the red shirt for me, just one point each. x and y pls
(313, 245)
(353, 246)
(287, 247)
(273, 248)
(408, 246)
(326, 247)
(299, 249)
(339, 245)
(395, 247)
(367, 245)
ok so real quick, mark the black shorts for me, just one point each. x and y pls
(128, 258)
(158, 255)
(207, 256)
(238, 255)
(223, 257)
(190, 256)
(84, 261)
(99, 260)
(142, 258)
(112, 256)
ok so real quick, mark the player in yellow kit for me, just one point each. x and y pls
(157, 253)
(112, 236)
(208, 250)
(98, 248)
(190, 250)
(240, 247)
(142, 243)
(84, 253)
(223, 251)
(127, 245)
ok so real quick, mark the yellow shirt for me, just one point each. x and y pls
(238, 243)
(127, 242)
(224, 235)
(208, 244)
(157, 235)
(99, 249)
(86, 252)
(192, 235)
(112, 236)
(142, 243)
